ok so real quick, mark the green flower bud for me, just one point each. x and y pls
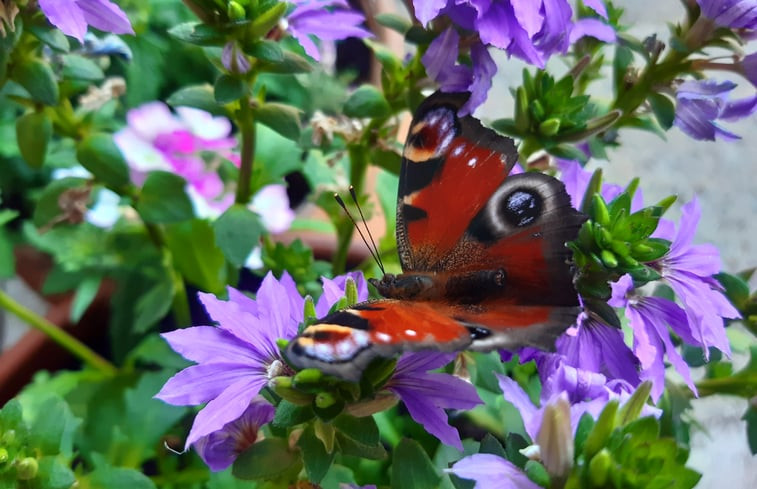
(282, 386)
(8, 437)
(602, 429)
(599, 468)
(521, 110)
(537, 473)
(609, 259)
(550, 127)
(555, 438)
(26, 469)
(235, 11)
(308, 376)
(3, 455)
(324, 400)
(310, 309)
(601, 213)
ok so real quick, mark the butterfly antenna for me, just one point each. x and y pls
(369, 244)
(367, 228)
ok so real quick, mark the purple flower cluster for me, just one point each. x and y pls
(734, 14)
(532, 31)
(237, 358)
(73, 17)
(699, 104)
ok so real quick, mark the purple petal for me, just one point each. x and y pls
(576, 180)
(201, 383)
(554, 36)
(440, 61)
(528, 14)
(597, 6)
(427, 10)
(66, 16)
(516, 396)
(749, 67)
(484, 69)
(738, 109)
(666, 229)
(209, 344)
(491, 472)
(619, 291)
(432, 418)
(227, 407)
(594, 28)
(106, 16)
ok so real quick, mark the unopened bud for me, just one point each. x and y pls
(27, 468)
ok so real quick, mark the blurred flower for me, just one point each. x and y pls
(8, 12)
(74, 16)
(220, 448)
(649, 317)
(699, 104)
(427, 394)
(734, 14)
(491, 472)
(326, 20)
(236, 358)
(234, 59)
(689, 268)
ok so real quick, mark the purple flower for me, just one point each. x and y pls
(333, 291)
(326, 20)
(234, 59)
(220, 448)
(748, 67)
(441, 65)
(491, 472)
(649, 318)
(73, 16)
(699, 104)
(596, 347)
(427, 394)
(237, 358)
(688, 268)
(734, 14)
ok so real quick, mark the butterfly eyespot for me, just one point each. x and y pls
(521, 207)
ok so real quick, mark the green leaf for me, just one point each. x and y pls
(108, 477)
(265, 50)
(289, 414)
(367, 101)
(411, 467)
(237, 231)
(602, 430)
(196, 254)
(266, 20)
(284, 119)
(163, 199)
(567, 152)
(54, 473)
(229, 88)
(663, 108)
(750, 416)
(80, 68)
(7, 258)
(266, 459)
(100, 155)
(197, 33)
(52, 431)
(291, 64)
(154, 304)
(314, 455)
(85, 294)
(363, 429)
(197, 96)
(631, 409)
(33, 133)
(38, 79)
(394, 22)
(52, 37)
(736, 289)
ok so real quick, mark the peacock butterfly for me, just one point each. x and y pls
(483, 254)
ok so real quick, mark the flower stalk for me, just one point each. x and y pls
(247, 129)
(58, 335)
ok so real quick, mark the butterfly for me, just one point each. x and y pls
(482, 251)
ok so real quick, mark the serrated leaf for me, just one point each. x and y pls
(163, 199)
(33, 133)
(80, 68)
(316, 458)
(229, 88)
(100, 155)
(284, 119)
(196, 254)
(197, 96)
(197, 33)
(265, 459)
(238, 231)
(38, 79)
(367, 101)
(411, 467)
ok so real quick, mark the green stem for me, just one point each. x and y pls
(58, 335)
(247, 128)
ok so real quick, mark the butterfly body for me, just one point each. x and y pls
(482, 252)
